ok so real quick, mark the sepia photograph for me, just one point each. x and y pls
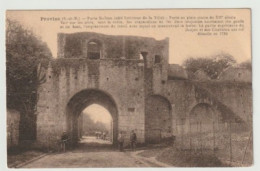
(129, 88)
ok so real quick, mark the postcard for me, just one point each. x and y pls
(129, 88)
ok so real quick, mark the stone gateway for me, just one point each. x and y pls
(131, 77)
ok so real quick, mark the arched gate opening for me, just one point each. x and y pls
(158, 119)
(82, 100)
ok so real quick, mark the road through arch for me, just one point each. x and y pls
(79, 102)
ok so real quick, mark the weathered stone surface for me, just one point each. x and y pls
(237, 74)
(131, 84)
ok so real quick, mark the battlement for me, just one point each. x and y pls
(97, 46)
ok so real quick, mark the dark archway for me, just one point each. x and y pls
(203, 115)
(205, 124)
(83, 99)
(158, 119)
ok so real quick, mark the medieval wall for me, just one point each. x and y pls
(130, 79)
(130, 47)
(123, 80)
(228, 101)
(235, 95)
(157, 119)
(236, 74)
(221, 102)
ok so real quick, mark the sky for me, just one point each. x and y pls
(182, 44)
(98, 113)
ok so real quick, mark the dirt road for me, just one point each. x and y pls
(94, 153)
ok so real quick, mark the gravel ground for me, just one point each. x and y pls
(95, 153)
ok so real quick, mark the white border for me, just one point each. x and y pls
(136, 4)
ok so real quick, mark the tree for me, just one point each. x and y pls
(90, 127)
(212, 66)
(26, 59)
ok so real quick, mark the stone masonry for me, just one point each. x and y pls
(128, 76)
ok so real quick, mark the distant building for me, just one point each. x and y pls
(238, 74)
(201, 75)
(176, 72)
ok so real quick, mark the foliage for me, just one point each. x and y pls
(212, 66)
(26, 59)
(90, 127)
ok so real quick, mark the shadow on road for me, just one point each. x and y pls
(91, 144)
